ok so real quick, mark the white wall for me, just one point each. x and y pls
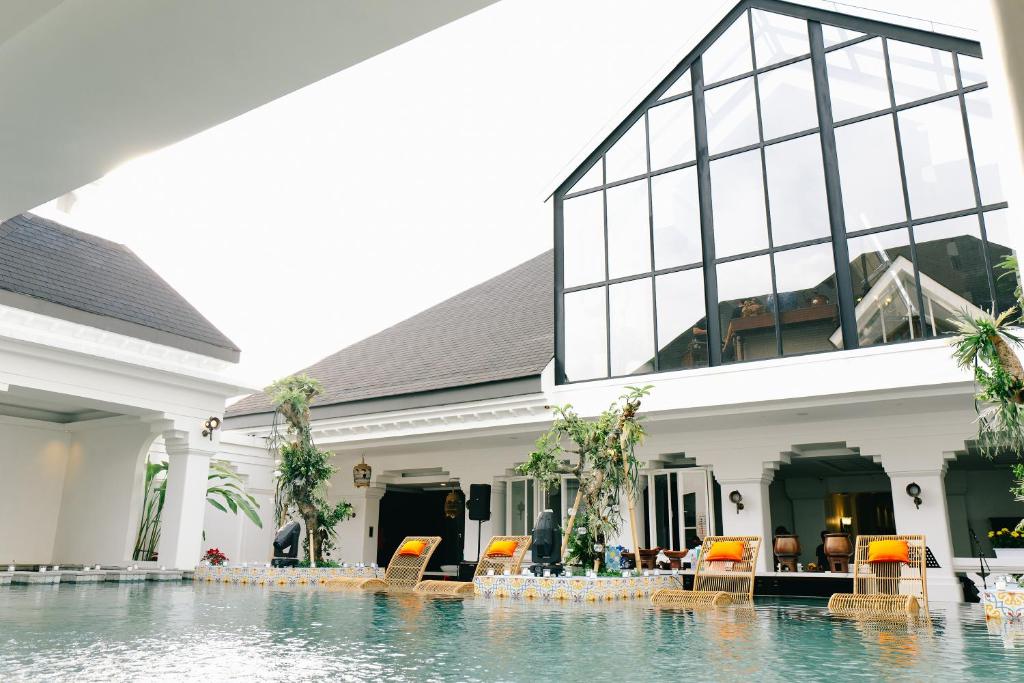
(102, 488)
(33, 461)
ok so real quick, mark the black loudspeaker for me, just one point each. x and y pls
(479, 503)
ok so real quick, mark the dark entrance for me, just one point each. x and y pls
(413, 511)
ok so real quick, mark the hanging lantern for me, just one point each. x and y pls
(453, 503)
(361, 474)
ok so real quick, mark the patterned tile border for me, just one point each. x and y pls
(273, 576)
(1004, 605)
(573, 589)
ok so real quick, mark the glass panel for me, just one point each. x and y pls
(951, 260)
(517, 508)
(583, 237)
(935, 156)
(552, 500)
(586, 342)
(676, 218)
(730, 54)
(778, 37)
(998, 234)
(681, 85)
(748, 326)
(787, 100)
(856, 80)
(673, 497)
(737, 194)
(591, 178)
(632, 327)
(870, 174)
(834, 35)
(682, 320)
(884, 288)
(972, 70)
(531, 511)
(572, 487)
(731, 116)
(796, 190)
(808, 304)
(985, 141)
(629, 230)
(919, 71)
(661, 507)
(671, 133)
(628, 156)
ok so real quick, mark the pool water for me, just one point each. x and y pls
(113, 632)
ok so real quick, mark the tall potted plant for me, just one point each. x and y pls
(304, 471)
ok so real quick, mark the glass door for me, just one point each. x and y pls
(678, 507)
(521, 506)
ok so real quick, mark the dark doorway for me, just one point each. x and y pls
(411, 511)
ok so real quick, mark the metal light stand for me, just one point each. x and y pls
(983, 566)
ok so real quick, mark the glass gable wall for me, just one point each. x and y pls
(799, 184)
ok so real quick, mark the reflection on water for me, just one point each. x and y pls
(172, 632)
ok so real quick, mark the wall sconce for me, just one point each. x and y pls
(210, 425)
(846, 523)
(737, 498)
(914, 491)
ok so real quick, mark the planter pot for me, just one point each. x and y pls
(838, 550)
(787, 549)
(1010, 554)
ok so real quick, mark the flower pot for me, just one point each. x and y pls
(787, 549)
(1010, 554)
(838, 550)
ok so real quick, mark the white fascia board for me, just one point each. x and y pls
(918, 369)
(137, 356)
(691, 41)
(495, 416)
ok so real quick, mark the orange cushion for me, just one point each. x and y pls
(412, 548)
(730, 551)
(502, 548)
(888, 551)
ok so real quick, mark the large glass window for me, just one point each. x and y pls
(729, 187)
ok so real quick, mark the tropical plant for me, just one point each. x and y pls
(605, 466)
(225, 491)
(304, 471)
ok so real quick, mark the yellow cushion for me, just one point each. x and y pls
(502, 548)
(888, 551)
(729, 551)
(412, 548)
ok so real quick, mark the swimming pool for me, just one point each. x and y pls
(171, 632)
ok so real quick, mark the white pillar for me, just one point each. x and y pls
(750, 473)
(188, 464)
(366, 503)
(923, 462)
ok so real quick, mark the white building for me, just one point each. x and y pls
(775, 237)
(99, 358)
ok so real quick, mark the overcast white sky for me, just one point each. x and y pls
(325, 216)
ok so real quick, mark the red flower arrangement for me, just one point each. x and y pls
(215, 557)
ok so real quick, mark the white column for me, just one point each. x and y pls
(924, 464)
(188, 464)
(366, 503)
(749, 473)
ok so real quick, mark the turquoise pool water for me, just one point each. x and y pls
(209, 631)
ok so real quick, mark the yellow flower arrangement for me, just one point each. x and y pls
(1006, 538)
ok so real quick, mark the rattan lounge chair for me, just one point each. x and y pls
(403, 572)
(498, 563)
(882, 589)
(717, 583)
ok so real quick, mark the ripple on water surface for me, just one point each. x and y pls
(172, 632)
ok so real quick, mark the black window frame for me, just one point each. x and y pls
(871, 29)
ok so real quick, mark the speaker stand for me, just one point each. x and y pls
(479, 527)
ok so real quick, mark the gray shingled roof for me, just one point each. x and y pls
(501, 329)
(65, 271)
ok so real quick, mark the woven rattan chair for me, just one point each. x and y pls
(403, 572)
(883, 589)
(498, 564)
(716, 584)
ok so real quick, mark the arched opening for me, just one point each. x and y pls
(830, 487)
